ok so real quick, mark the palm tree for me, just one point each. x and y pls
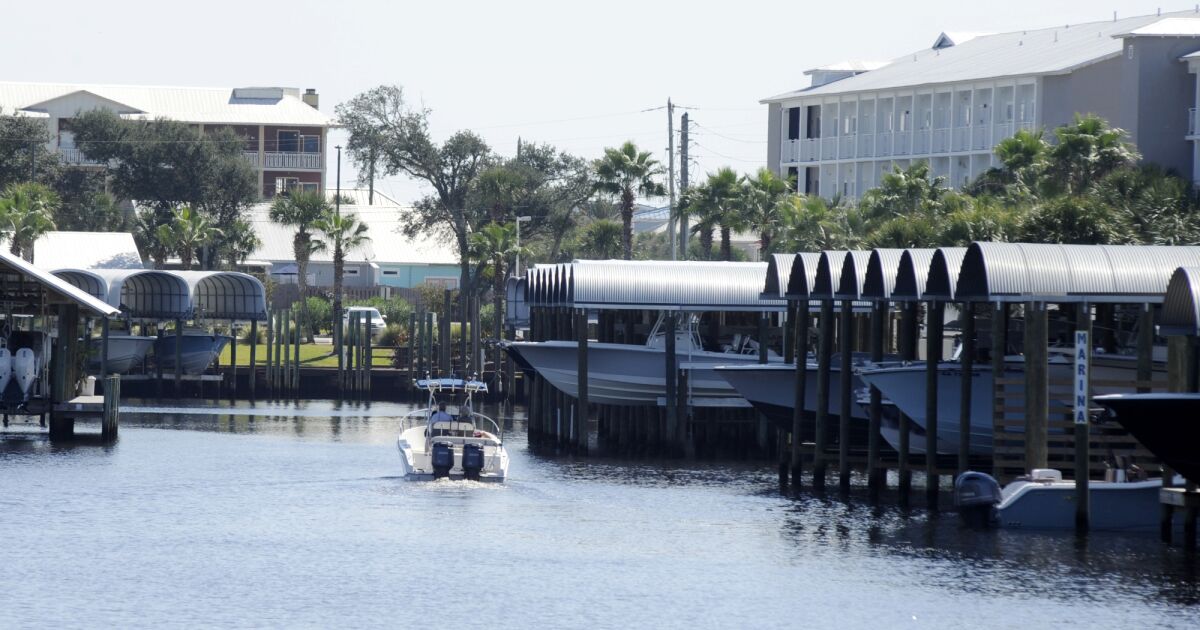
(187, 233)
(1086, 151)
(239, 244)
(812, 224)
(26, 213)
(493, 245)
(301, 210)
(718, 203)
(764, 194)
(602, 239)
(342, 233)
(627, 173)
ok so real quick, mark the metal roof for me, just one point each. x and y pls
(1056, 50)
(56, 289)
(854, 273)
(941, 277)
(168, 294)
(829, 274)
(86, 250)
(235, 106)
(1181, 304)
(803, 275)
(656, 285)
(1166, 27)
(225, 295)
(883, 270)
(1023, 272)
(779, 270)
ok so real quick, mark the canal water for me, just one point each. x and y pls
(285, 515)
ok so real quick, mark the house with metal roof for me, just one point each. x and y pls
(87, 250)
(389, 259)
(284, 130)
(951, 103)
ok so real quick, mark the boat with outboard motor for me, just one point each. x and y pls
(435, 443)
(1167, 424)
(627, 374)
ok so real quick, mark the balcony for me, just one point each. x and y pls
(829, 148)
(883, 144)
(902, 143)
(1192, 126)
(75, 157)
(941, 141)
(790, 151)
(286, 160)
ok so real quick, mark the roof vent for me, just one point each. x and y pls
(259, 93)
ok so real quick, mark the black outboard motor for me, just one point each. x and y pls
(442, 460)
(976, 494)
(472, 461)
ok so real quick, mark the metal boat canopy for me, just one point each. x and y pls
(225, 295)
(779, 269)
(941, 278)
(1181, 304)
(169, 294)
(1024, 272)
(26, 286)
(803, 276)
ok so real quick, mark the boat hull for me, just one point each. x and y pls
(1132, 506)
(415, 464)
(1166, 424)
(125, 352)
(622, 374)
(771, 389)
(198, 351)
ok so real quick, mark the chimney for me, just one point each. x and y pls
(311, 98)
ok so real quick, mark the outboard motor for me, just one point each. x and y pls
(976, 494)
(442, 459)
(472, 461)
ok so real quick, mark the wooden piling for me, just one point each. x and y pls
(999, 350)
(1083, 324)
(110, 419)
(253, 357)
(909, 341)
(581, 403)
(285, 356)
(934, 321)
(824, 359)
(1145, 349)
(233, 359)
(104, 348)
(967, 363)
(1037, 385)
(270, 354)
(846, 393)
(801, 336)
(178, 357)
(875, 472)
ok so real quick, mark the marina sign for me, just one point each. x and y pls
(1082, 352)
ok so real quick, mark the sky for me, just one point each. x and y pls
(580, 76)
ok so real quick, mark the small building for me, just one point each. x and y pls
(285, 132)
(389, 259)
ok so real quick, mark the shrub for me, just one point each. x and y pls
(320, 314)
(393, 335)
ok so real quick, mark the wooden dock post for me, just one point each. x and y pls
(824, 358)
(285, 356)
(875, 472)
(935, 315)
(296, 354)
(232, 359)
(846, 393)
(111, 418)
(178, 357)
(999, 350)
(368, 360)
(63, 376)
(253, 357)
(967, 361)
(909, 340)
(581, 412)
(1037, 385)
(1083, 401)
(801, 337)
(103, 348)
(446, 339)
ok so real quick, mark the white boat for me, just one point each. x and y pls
(200, 349)
(459, 444)
(905, 387)
(1045, 501)
(5, 369)
(125, 352)
(25, 370)
(625, 374)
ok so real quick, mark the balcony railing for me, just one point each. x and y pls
(789, 151)
(883, 144)
(76, 157)
(1192, 126)
(286, 160)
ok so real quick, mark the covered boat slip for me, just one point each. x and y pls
(151, 296)
(37, 303)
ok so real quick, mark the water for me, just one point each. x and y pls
(294, 517)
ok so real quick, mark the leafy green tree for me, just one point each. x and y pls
(602, 240)
(187, 233)
(25, 153)
(813, 224)
(626, 173)
(26, 213)
(300, 211)
(239, 243)
(492, 247)
(341, 233)
(1077, 220)
(368, 143)
(763, 198)
(718, 203)
(1086, 151)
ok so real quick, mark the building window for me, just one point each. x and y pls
(288, 141)
(813, 130)
(285, 184)
(391, 272)
(310, 187)
(793, 123)
(351, 272)
(310, 144)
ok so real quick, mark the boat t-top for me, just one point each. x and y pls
(455, 442)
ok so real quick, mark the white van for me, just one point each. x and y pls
(378, 323)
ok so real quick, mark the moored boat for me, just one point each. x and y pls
(199, 349)
(125, 352)
(1168, 425)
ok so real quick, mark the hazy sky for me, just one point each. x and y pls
(576, 75)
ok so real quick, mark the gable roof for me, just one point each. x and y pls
(205, 105)
(1057, 50)
(86, 250)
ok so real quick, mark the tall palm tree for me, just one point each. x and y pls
(1087, 150)
(342, 233)
(627, 173)
(188, 232)
(602, 239)
(493, 246)
(301, 210)
(26, 213)
(763, 197)
(240, 243)
(718, 203)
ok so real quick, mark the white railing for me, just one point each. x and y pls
(864, 145)
(829, 148)
(846, 149)
(809, 148)
(941, 141)
(77, 158)
(962, 139)
(980, 140)
(921, 142)
(790, 151)
(1003, 130)
(286, 159)
(883, 144)
(1192, 126)
(902, 143)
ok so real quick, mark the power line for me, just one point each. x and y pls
(710, 130)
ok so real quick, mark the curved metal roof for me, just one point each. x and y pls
(779, 269)
(21, 276)
(225, 295)
(516, 307)
(1021, 272)
(1181, 304)
(912, 274)
(659, 285)
(86, 281)
(883, 271)
(941, 282)
(147, 293)
(854, 273)
(803, 275)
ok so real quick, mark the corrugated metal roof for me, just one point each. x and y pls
(1181, 304)
(941, 277)
(170, 294)
(86, 250)
(55, 286)
(1021, 272)
(1020, 53)
(852, 65)
(779, 270)
(225, 295)
(854, 273)
(388, 245)
(803, 275)
(186, 104)
(657, 285)
(883, 270)
(913, 274)
(829, 274)
(1166, 27)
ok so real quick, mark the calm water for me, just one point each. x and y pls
(294, 517)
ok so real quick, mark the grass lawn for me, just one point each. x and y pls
(311, 355)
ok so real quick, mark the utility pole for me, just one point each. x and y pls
(32, 160)
(671, 176)
(683, 184)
